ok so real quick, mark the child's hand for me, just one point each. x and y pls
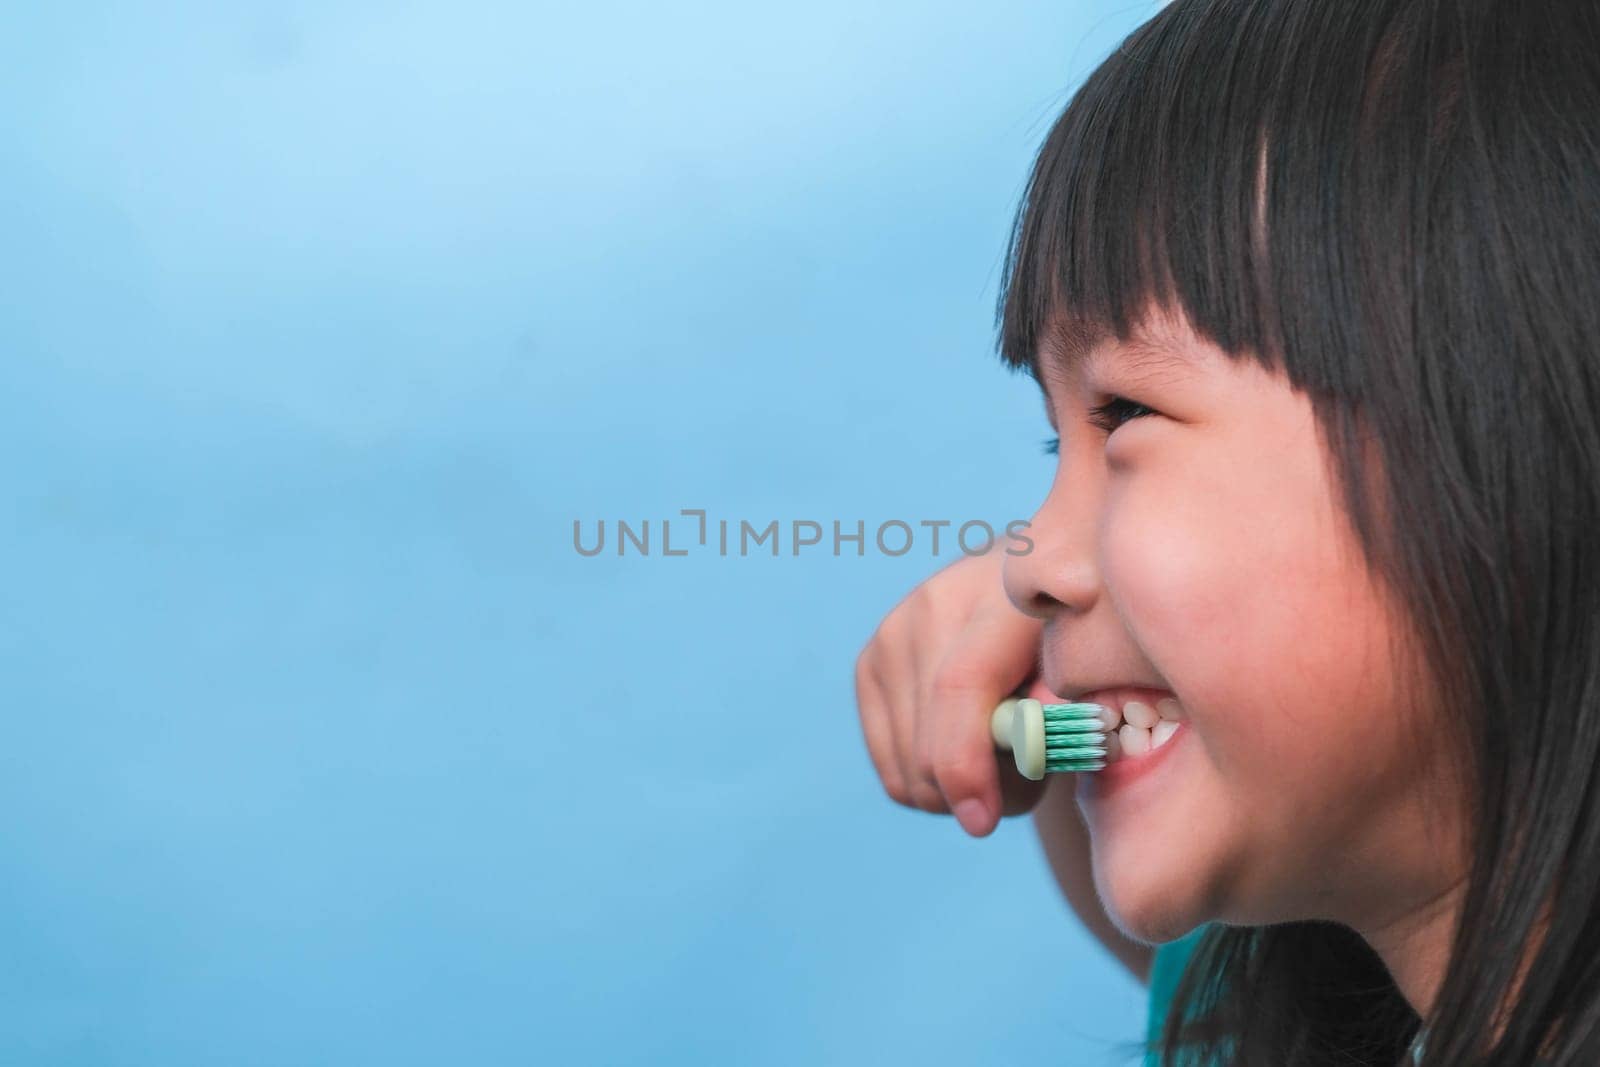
(927, 682)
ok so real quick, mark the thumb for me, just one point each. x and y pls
(996, 654)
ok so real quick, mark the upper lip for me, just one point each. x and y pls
(1109, 693)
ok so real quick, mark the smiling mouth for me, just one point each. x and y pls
(1138, 720)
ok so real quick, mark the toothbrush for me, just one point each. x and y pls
(1049, 738)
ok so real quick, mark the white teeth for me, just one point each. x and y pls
(1162, 732)
(1132, 740)
(1140, 714)
(1138, 729)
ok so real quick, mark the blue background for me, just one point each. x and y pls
(320, 324)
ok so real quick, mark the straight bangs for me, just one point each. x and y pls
(1221, 162)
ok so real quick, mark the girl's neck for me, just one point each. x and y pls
(1415, 946)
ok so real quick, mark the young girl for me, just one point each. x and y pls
(1310, 289)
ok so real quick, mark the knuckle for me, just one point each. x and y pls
(954, 678)
(866, 672)
(890, 629)
(933, 601)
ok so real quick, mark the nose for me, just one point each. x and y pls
(1060, 571)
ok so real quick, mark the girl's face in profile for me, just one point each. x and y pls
(1201, 549)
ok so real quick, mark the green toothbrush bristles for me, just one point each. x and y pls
(1074, 737)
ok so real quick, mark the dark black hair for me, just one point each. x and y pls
(1396, 204)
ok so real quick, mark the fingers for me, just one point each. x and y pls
(874, 687)
(926, 683)
(954, 749)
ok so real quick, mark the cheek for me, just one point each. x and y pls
(1255, 610)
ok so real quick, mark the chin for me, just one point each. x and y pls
(1150, 896)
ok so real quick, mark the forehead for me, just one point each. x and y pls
(1072, 349)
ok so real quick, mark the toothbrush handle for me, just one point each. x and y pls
(1000, 722)
(1017, 725)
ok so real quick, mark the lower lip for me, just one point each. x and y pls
(1117, 776)
(1040, 692)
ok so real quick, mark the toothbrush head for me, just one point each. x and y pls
(1050, 738)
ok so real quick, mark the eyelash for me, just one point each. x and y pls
(1108, 416)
